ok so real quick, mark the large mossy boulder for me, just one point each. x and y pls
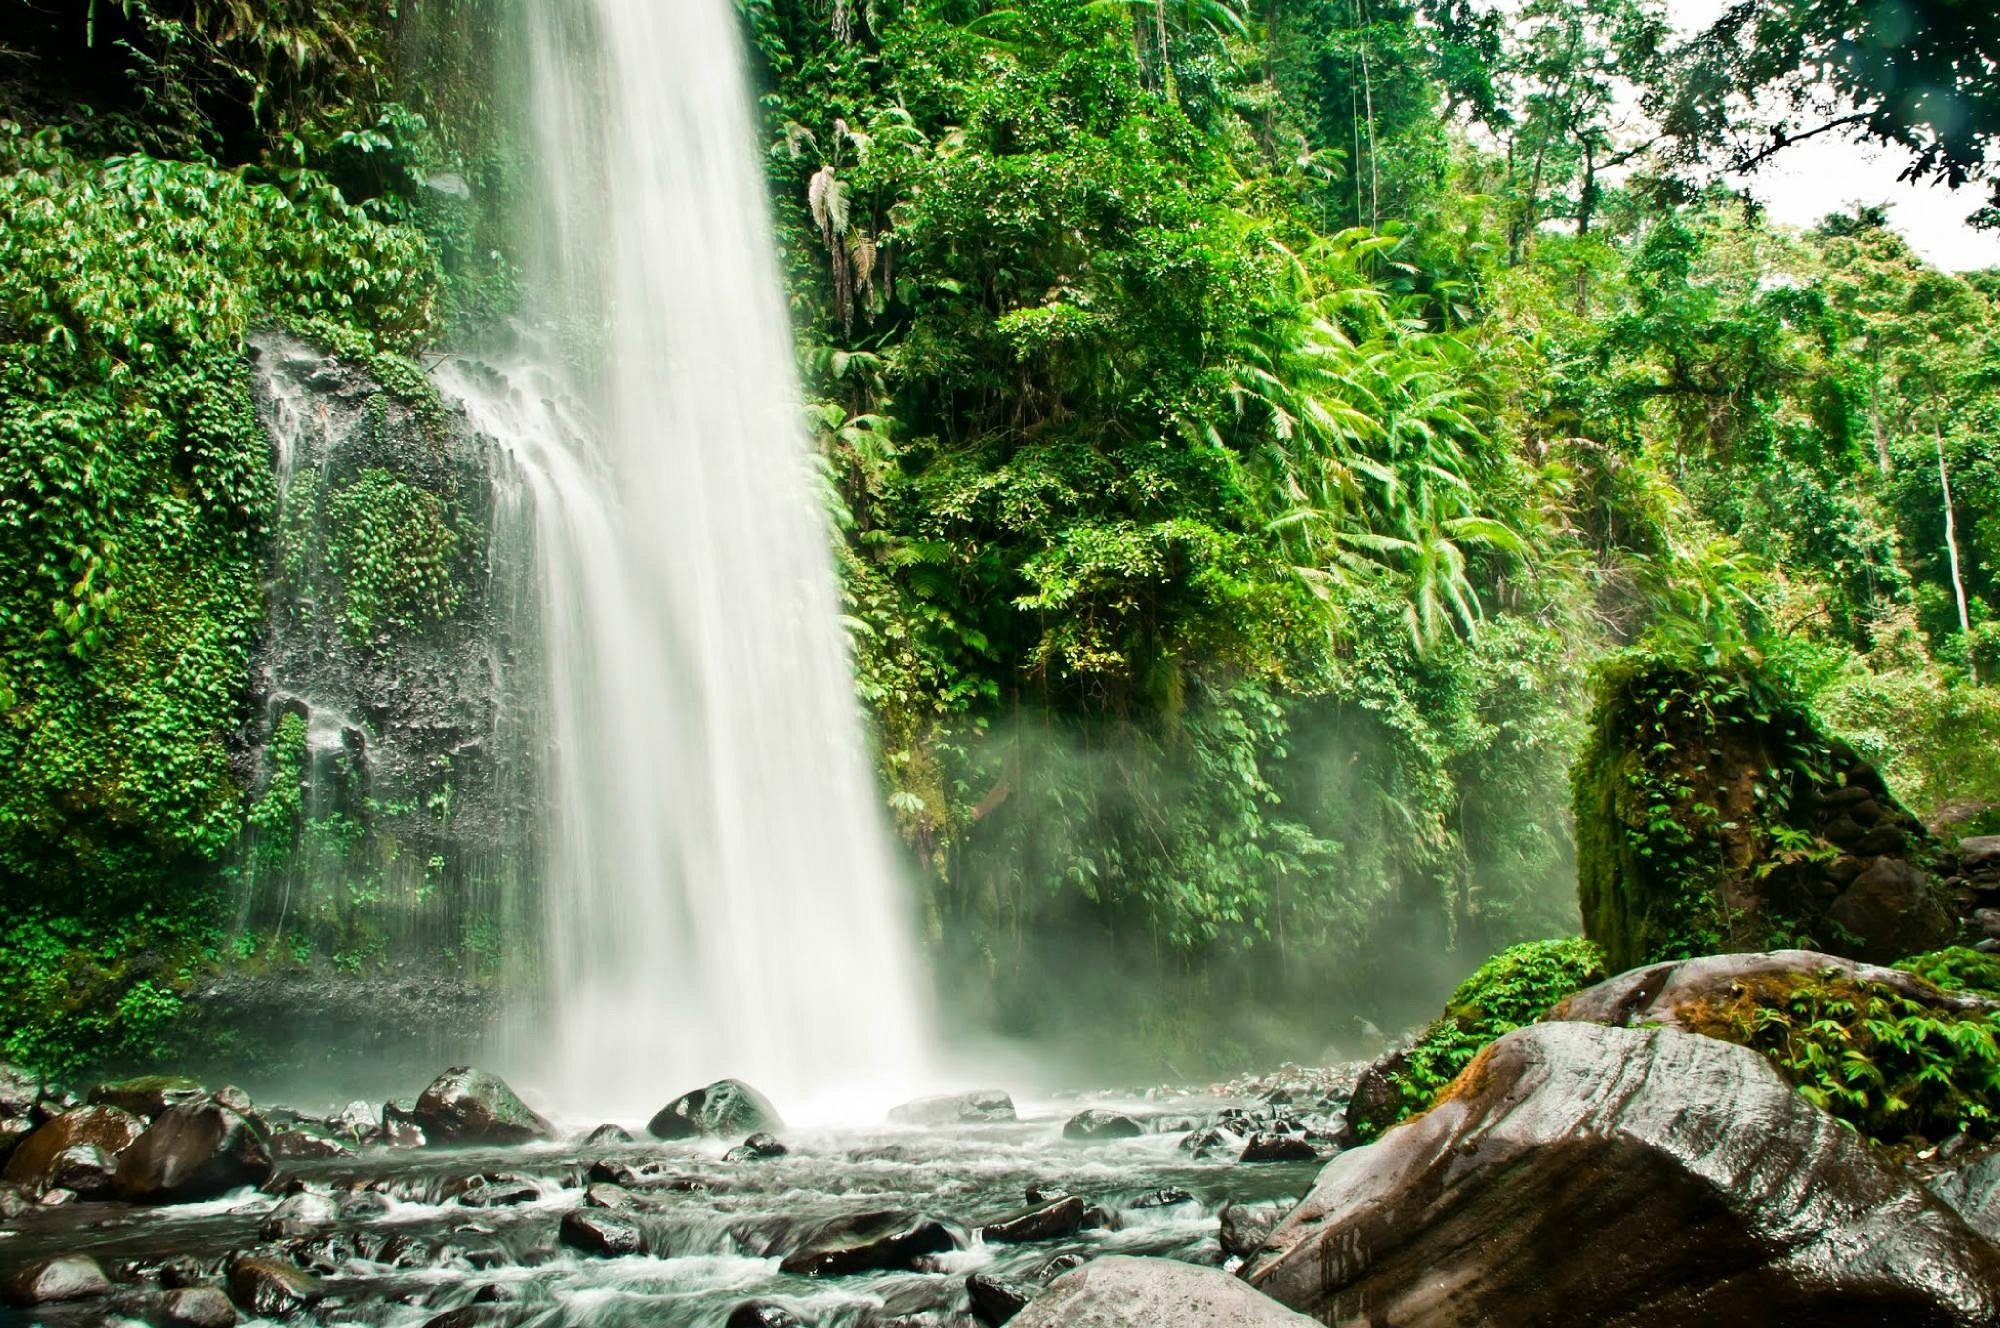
(1714, 814)
(1890, 1053)
(1585, 1175)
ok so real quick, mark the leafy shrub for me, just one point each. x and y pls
(1957, 968)
(393, 545)
(1513, 989)
(1894, 1068)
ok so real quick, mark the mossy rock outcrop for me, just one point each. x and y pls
(1714, 814)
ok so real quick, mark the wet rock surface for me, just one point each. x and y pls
(1096, 1123)
(1591, 1175)
(1120, 1292)
(1672, 994)
(195, 1150)
(52, 1281)
(725, 1107)
(468, 1106)
(37, 1160)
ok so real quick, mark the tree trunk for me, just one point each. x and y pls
(1951, 549)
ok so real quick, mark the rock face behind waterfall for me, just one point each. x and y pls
(1584, 1175)
(725, 1107)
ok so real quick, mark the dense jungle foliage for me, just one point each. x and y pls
(1249, 424)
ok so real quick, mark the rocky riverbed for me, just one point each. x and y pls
(465, 1208)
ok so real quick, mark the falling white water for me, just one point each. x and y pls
(718, 893)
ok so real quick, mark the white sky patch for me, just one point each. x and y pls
(1831, 173)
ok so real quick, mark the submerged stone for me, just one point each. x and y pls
(596, 1231)
(1278, 1148)
(1049, 1222)
(1242, 1229)
(468, 1106)
(1121, 1292)
(757, 1148)
(725, 1107)
(892, 1238)
(609, 1134)
(270, 1287)
(1587, 1175)
(757, 1314)
(986, 1106)
(196, 1307)
(1096, 1124)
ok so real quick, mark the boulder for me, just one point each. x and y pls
(294, 1144)
(400, 1128)
(504, 1189)
(1169, 1197)
(357, 1122)
(19, 1091)
(1679, 993)
(49, 1281)
(146, 1096)
(1278, 1148)
(601, 1194)
(725, 1107)
(862, 1242)
(468, 1106)
(196, 1150)
(609, 1134)
(595, 1231)
(1979, 854)
(300, 1214)
(986, 1106)
(1242, 1229)
(1121, 1292)
(1892, 909)
(1971, 1185)
(1580, 1174)
(196, 1307)
(271, 1288)
(85, 1170)
(1211, 1142)
(13, 1202)
(994, 1300)
(757, 1148)
(109, 1129)
(1096, 1124)
(1050, 1222)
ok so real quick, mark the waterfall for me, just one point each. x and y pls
(719, 894)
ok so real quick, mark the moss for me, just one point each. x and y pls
(1900, 1070)
(1514, 988)
(1699, 816)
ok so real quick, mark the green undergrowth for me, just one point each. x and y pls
(1513, 989)
(1957, 968)
(1898, 1070)
(135, 493)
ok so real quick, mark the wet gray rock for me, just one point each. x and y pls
(601, 1195)
(468, 1106)
(196, 1150)
(1580, 1174)
(1212, 1142)
(1971, 1185)
(293, 1144)
(19, 1091)
(357, 1123)
(758, 1147)
(13, 1202)
(146, 1096)
(271, 1287)
(1120, 1292)
(609, 1134)
(85, 1170)
(1243, 1228)
(596, 1231)
(109, 1129)
(502, 1190)
(400, 1128)
(892, 1238)
(1170, 1197)
(1050, 1222)
(50, 1281)
(995, 1300)
(1278, 1148)
(1979, 853)
(300, 1214)
(986, 1106)
(1096, 1124)
(725, 1107)
(196, 1307)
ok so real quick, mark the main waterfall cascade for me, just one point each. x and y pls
(718, 890)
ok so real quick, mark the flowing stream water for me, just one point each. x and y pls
(718, 891)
